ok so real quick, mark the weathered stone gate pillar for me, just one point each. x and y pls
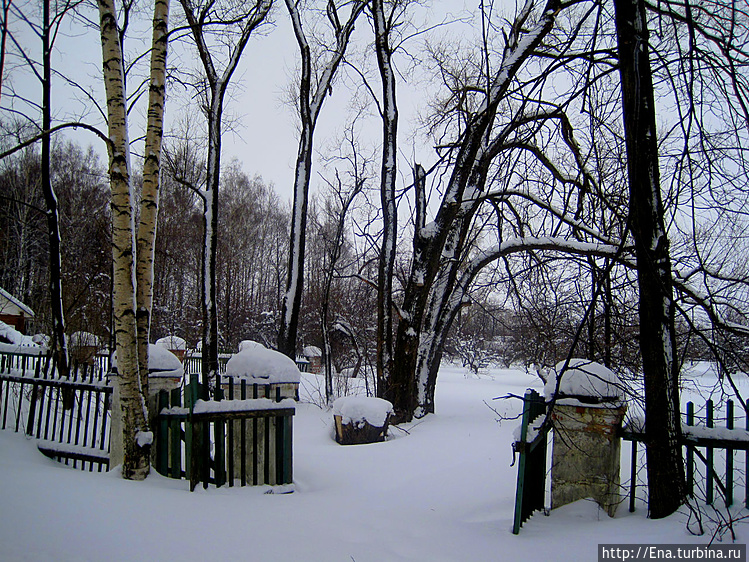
(587, 413)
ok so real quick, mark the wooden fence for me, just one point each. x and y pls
(711, 453)
(69, 417)
(245, 438)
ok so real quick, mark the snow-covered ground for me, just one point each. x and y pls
(443, 491)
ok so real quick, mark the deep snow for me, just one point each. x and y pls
(443, 491)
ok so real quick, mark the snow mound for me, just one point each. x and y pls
(172, 342)
(83, 339)
(312, 351)
(360, 409)
(161, 362)
(261, 365)
(249, 344)
(584, 379)
(11, 340)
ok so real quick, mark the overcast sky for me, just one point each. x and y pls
(264, 127)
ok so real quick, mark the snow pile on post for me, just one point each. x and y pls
(360, 409)
(13, 341)
(172, 343)
(312, 351)
(83, 339)
(161, 362)
(249, 344)
(585, 381)
(260, 365)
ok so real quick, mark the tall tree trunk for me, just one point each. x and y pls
(218, 81)
(6, 4)
(441, 241)
(210, 229)
(149, 205)
(666, 483)
(136, 461)
(310, 104)
(59, 342)
(387, 195)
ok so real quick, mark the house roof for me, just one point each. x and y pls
(5, 296)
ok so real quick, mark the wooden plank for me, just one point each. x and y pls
(729, 456)
(520, 486)
(709, 469)
(55, 451)
(32, 411)
(690, 452)
(181, 414)
(162, 435)
(59, 383)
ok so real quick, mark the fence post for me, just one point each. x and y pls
(746, 459)
(729, 457)
(709, 456)
(690, 452)
(162, 436)
(633, 477)
(219, 437)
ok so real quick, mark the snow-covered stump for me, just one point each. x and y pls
(586, 416)
(253, 373)
(361, 419)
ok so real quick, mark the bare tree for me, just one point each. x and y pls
(220, 32)
(133, 379)
(149, 194)
(315, 84)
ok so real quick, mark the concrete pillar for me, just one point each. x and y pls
(156, 382)
(586, 454)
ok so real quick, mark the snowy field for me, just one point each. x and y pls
(442, 491)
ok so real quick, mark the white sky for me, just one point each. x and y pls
(264, 135)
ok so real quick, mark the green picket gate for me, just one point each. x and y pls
(531, 484)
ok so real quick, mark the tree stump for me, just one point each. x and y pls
(361, 419)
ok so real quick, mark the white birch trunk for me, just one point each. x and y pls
(136, 459)
(149, 206)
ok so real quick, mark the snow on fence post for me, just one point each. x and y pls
(587, 414)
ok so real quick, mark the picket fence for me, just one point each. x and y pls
(206, 435)
(244, 438)
(69, 417)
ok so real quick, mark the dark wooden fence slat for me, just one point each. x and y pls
(230, 440)
(729, 457)
(690, 451)
(18, 407)
(709, 493)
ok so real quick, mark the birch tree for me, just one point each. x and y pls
(135, 432)
(133, 378)
(220, 32)
(149, 196)
(316, 79)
